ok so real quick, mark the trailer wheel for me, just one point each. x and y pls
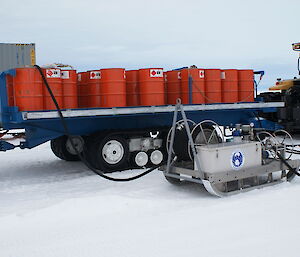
(110, 153)
(59, 148)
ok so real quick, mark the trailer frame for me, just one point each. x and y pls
(42, 126)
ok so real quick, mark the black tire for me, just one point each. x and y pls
(99, 158)
(58, 147)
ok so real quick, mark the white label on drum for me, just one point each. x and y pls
(179, 75)
(65, 74)
(95, 75)
(79, 77)
(201, 74)
(223, 75)
(156, 73)
(53, 73)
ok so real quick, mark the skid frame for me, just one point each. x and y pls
(193, 172)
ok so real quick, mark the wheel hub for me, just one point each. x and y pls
(156, 157)
(78, 144)
(141, 159)
(113, 152)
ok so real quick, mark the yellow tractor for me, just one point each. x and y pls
(287, 91)
(289, 83)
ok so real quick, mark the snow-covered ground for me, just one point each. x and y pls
(49, 207)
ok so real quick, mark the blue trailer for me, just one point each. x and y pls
(114, 138)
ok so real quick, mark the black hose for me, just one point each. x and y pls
(82, 158)
(290, 168)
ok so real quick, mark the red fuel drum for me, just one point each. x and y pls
(69, 84)
(151, 85)
(198, 86)
(93, 89)
(10, 90)
(82, 80)
(213, 86)
(246, 85)
(53, 77)
(173, 80)
(113, 87)
(132, 88)
(229, 79)
(27, 89)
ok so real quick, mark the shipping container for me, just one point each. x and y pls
(16, 55)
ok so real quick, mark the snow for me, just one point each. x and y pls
(49, 208)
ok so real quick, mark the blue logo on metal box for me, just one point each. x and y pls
(237, 159)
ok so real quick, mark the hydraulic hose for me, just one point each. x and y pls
(292, 170)
(82, 158)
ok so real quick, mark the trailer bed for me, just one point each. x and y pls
(42, 126)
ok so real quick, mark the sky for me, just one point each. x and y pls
(132, 34)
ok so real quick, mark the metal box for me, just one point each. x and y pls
(16, 55)
(229, 156)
